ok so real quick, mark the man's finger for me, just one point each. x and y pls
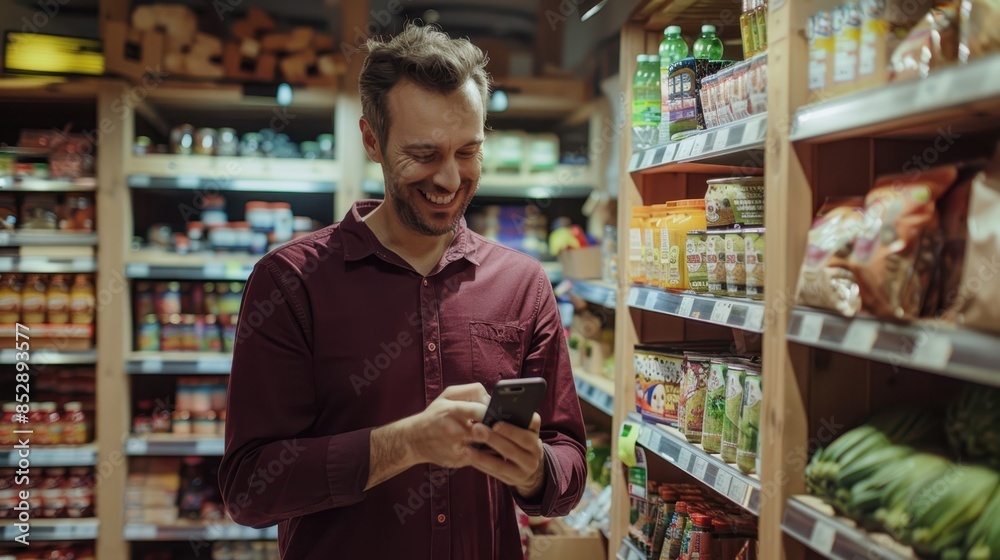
(510, 450)
(466, 411)
(471, 392)
(525, 438)
(494, 466)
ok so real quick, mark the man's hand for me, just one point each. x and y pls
(441, 434)
(519, 460)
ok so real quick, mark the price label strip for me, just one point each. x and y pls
(700, 468)
(811, 328)
(822, 537)
(721, 139)
(932, 351)
(755, 318)
(647, 159)
(687, 304)
(861, 336)
(721, 312)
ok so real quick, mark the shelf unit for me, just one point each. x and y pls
(814, 524)
(54, 456)
(166, 445)
(595, 390)
(48, 530)
(178, 363)
(596, 292)
(194, 532)
(734, 148)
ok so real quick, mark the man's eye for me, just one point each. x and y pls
(471, 154)
(422, 157)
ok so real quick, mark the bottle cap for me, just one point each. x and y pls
(654, 58)
(672, 30)
(708, 29)
(642, 58)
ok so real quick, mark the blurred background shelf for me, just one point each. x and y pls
(46, 530)
(178, 363)
(53, 456)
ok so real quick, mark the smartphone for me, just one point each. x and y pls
(514, 401)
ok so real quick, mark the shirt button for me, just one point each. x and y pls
(425, 281)
(441, 518)
(432, 347)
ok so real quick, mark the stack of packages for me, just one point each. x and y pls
(859, 44)
(893, 474)
(712, 398)
(920, 244)
(683, 521)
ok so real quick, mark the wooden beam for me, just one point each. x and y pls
(354, 15)
(112, 10)
(548, 37)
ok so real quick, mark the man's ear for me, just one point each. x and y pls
(372, 148)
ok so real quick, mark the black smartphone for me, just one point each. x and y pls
(514, 401)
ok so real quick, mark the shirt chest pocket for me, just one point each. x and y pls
(497, 351)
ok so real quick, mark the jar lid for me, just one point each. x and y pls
(181, 415)
(74, 406)
(257, 205)
(239, 225)
(281, 206)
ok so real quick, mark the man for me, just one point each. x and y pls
(366, 349)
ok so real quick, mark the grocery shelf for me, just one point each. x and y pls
(808, 520)
(24, 238)
(927, 345)
(53, 456)
(41, 357)
(596, 292)
(629, 551)
(170, 445)
(194, 531)
(553, 270)
(161, 265)
(32, 184)
(711, 470)
(595, 390)
(746, 314)
(48, 265)
(736, 148)
(567, 181)
(286, 175)
(178, 363)
(959, 95)
(55, 530)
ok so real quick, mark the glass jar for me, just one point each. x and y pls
(204, 423)
(205, 141)
(181, 424)
(182, 139)
(260, 216)
(283, 219)
(228, 144)
(75, 427)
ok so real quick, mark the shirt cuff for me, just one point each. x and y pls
(348, 460)
(544, 498)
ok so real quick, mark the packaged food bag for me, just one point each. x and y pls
(980, 29)
(931, 45)
(897, 248)
(825, 280)
(976, 303)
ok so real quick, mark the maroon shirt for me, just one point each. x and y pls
(337, 336)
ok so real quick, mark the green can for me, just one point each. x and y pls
(753, 241)
(715, 262)
(735, 376)
(715, 406)
(695, 252)
(736, 269)
(749, 442)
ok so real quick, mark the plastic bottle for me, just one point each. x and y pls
(673, 48)
(639, 126)
(82, 300)
(708, 46)
(746, 30)
(33, 299)
(654, 102)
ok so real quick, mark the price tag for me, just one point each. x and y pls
(932, 89)
(685, 149)
(721, 312)
(6, 264)
(215, 271)
(634, 162)
(722, 482)
(932, 351)
(188, 182)
(137, 270)
(140, 532)
(750, 132)
(208, 447)
(687, 303)
(755, 318)
(822, 537)
(860, 336)
(152, 365)
(738, 491)
(684, 459)
(84, 264)
(208, 365)
(633, 297)
(721, 139)
(668, 155)
(700, 466)
(811, 328)
(700, 143)
(136, 446)
(4, 238)
(647, 159)
(626, 443)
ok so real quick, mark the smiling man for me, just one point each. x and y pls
(367, 350)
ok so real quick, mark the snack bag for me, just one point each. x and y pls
(980, 29)
(931, 45)
(825, 280)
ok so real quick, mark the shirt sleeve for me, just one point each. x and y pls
(271, 469)
(562, 433)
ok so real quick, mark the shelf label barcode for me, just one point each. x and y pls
(722, 481)
(700, 468)
(687, 303)
(822, 537)
(812, 327)
(932, 351)
(685, 149)
(755, 318)
(647, 159)
(668, 155)
(721, 312)
(738, 491)
(860, 336)
(684, 459)
(700, 142)
(721, 139)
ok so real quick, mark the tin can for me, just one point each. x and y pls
(735, 376)
(749, 437)
(696, 247)
(753, 241)
(715, 262)
(736, 270)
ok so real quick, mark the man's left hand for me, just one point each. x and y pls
(519, 460)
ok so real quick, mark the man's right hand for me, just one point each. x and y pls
(442, 433)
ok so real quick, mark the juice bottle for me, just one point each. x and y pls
(75, 429)
(33, 299)
(636, 254)
(760, 13)
(57, 300)
(641, 128)
(688, 215)
(82, 300)
(746, 31)
(654, 102)
(661, 244)
(708, 46)
(10, 298)
(673, 48)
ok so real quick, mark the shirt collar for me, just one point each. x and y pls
(360, 242)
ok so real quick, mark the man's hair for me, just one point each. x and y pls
(427, 57)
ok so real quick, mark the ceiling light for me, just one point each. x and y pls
(593, 10)
(498, 102)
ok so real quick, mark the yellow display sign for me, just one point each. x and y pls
(36, 53)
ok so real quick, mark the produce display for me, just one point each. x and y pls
(186, 316)
(684, 521)
(908, 252)
(892, 474)
(55, 493)
(198, 408)
(711, 398)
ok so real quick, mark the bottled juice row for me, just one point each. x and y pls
(57, 299)
(51, 424)
(187, 316)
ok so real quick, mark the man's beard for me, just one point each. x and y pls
(410, 216)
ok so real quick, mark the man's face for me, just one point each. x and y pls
(433, 157)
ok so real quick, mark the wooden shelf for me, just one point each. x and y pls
(168, 445)
(40, 357)
(292, 175)
(926, 345)
(813, 523)
(47, 530)
(195, 531)
(154, 264)
(736, 148)
(48, 265)
(746, 314)
(727, 480)
(567, 181)
(596, 292)
(960, 96)
(53, 456)
(34, 238)
(178, 363)
(597, 391)
(31, 184)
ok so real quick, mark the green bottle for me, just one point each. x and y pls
(673, 48)
(708, 46)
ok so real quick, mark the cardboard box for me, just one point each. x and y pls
(582, 264)
(562, 543)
